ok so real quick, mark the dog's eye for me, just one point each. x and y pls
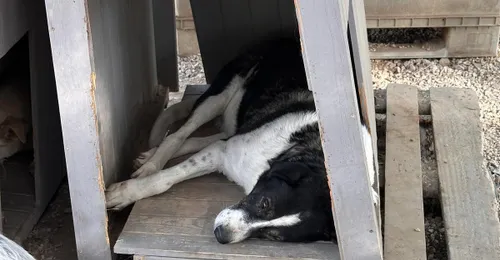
(265, 203)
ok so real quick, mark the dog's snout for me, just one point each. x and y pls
(221, 235)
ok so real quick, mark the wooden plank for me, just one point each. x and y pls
(179, 208)
(73, 70)
(14, 23)
(208, 248)
(148, 257)
(161, 225)
(404, 229)
(237, 24)
(204, 191)
(166, 43)
(467, 194)
(330, 76)
(288, 17)
(265, 17)
(207, 16)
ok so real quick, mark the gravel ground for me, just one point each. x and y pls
(480, 74)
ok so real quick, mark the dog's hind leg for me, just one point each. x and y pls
(122, 194)
(166, 118)
(191, 145)
(207, 110)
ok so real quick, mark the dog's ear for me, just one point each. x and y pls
(19, 130)
(289, 172)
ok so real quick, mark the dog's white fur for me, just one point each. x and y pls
(237, 219)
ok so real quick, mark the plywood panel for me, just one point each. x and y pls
(224, 27)
(104, 63)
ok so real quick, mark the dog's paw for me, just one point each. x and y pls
(145, 170)
(143, 158)
(121, 194)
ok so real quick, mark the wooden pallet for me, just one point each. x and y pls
(466, 192)
(178, 224)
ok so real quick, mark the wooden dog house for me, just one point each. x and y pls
(113, 61)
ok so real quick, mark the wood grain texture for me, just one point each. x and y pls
(404, 229)
(467, 195)
(330, 76)
(208, 248)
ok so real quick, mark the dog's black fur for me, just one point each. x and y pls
(296, 181)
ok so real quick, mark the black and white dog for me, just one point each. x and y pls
(269, 144)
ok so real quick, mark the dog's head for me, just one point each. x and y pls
(290, 202)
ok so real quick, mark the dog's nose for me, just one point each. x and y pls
(221, 235)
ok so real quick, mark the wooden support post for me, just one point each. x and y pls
(363, 77)
(104, 64)
(330, 77)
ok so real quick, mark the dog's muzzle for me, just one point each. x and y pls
(222, 235)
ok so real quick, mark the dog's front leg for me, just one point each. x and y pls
(166, 118)
(122, 194)
(191, 145)
(209, 109)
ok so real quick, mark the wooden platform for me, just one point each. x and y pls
(466, 191)
(178, 224)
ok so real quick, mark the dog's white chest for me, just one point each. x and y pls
(247, 156)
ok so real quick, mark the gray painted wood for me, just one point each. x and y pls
(50, 167)
(404, 229)
(27, 194)
(207, 17)
(14, 23)
(467, 194)
(104, 63)
(330, 76)
(224, 27)
(189, 247)
(166, 43)
(363, 77)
